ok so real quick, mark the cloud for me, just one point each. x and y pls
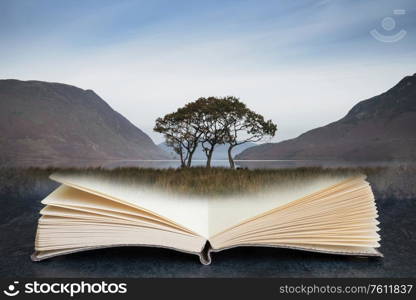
(300, 65)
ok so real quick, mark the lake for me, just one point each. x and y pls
(162, 164)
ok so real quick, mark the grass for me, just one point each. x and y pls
(213, 181)
(397, 182)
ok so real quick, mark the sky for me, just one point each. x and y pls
(302, 64)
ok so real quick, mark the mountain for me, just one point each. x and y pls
(379, 128)
(220, 152)
(43, 120)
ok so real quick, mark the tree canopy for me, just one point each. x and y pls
(212, 121)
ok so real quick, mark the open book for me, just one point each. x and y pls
(330, 214)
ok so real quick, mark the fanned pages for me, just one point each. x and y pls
(331, 214)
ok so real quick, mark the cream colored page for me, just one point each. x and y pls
(189, 212)
(68, 196)
(227, 212)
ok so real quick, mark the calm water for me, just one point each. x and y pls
(162, 164)
(251, 164)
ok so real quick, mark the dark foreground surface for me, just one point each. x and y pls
(18, 218)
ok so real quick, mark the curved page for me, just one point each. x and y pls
(188, 212)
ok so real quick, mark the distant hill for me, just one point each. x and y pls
(380, 128)
(220, 152)
(42, 120)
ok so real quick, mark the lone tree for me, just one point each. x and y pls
(212, 125)
(212, 121)
(244, 125)
(181, 131)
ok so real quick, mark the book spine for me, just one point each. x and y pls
(205, 255)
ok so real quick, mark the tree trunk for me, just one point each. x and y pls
(190, 159)
(209, 157)
(230, 157)
(183, 165)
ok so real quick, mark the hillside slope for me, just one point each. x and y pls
(380, 128)
(42, 120)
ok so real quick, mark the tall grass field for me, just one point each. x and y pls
(387, 182)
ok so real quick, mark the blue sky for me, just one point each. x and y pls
(301, 63)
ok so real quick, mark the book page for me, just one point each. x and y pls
(188, 212)
(227, 212)
(202, 215)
